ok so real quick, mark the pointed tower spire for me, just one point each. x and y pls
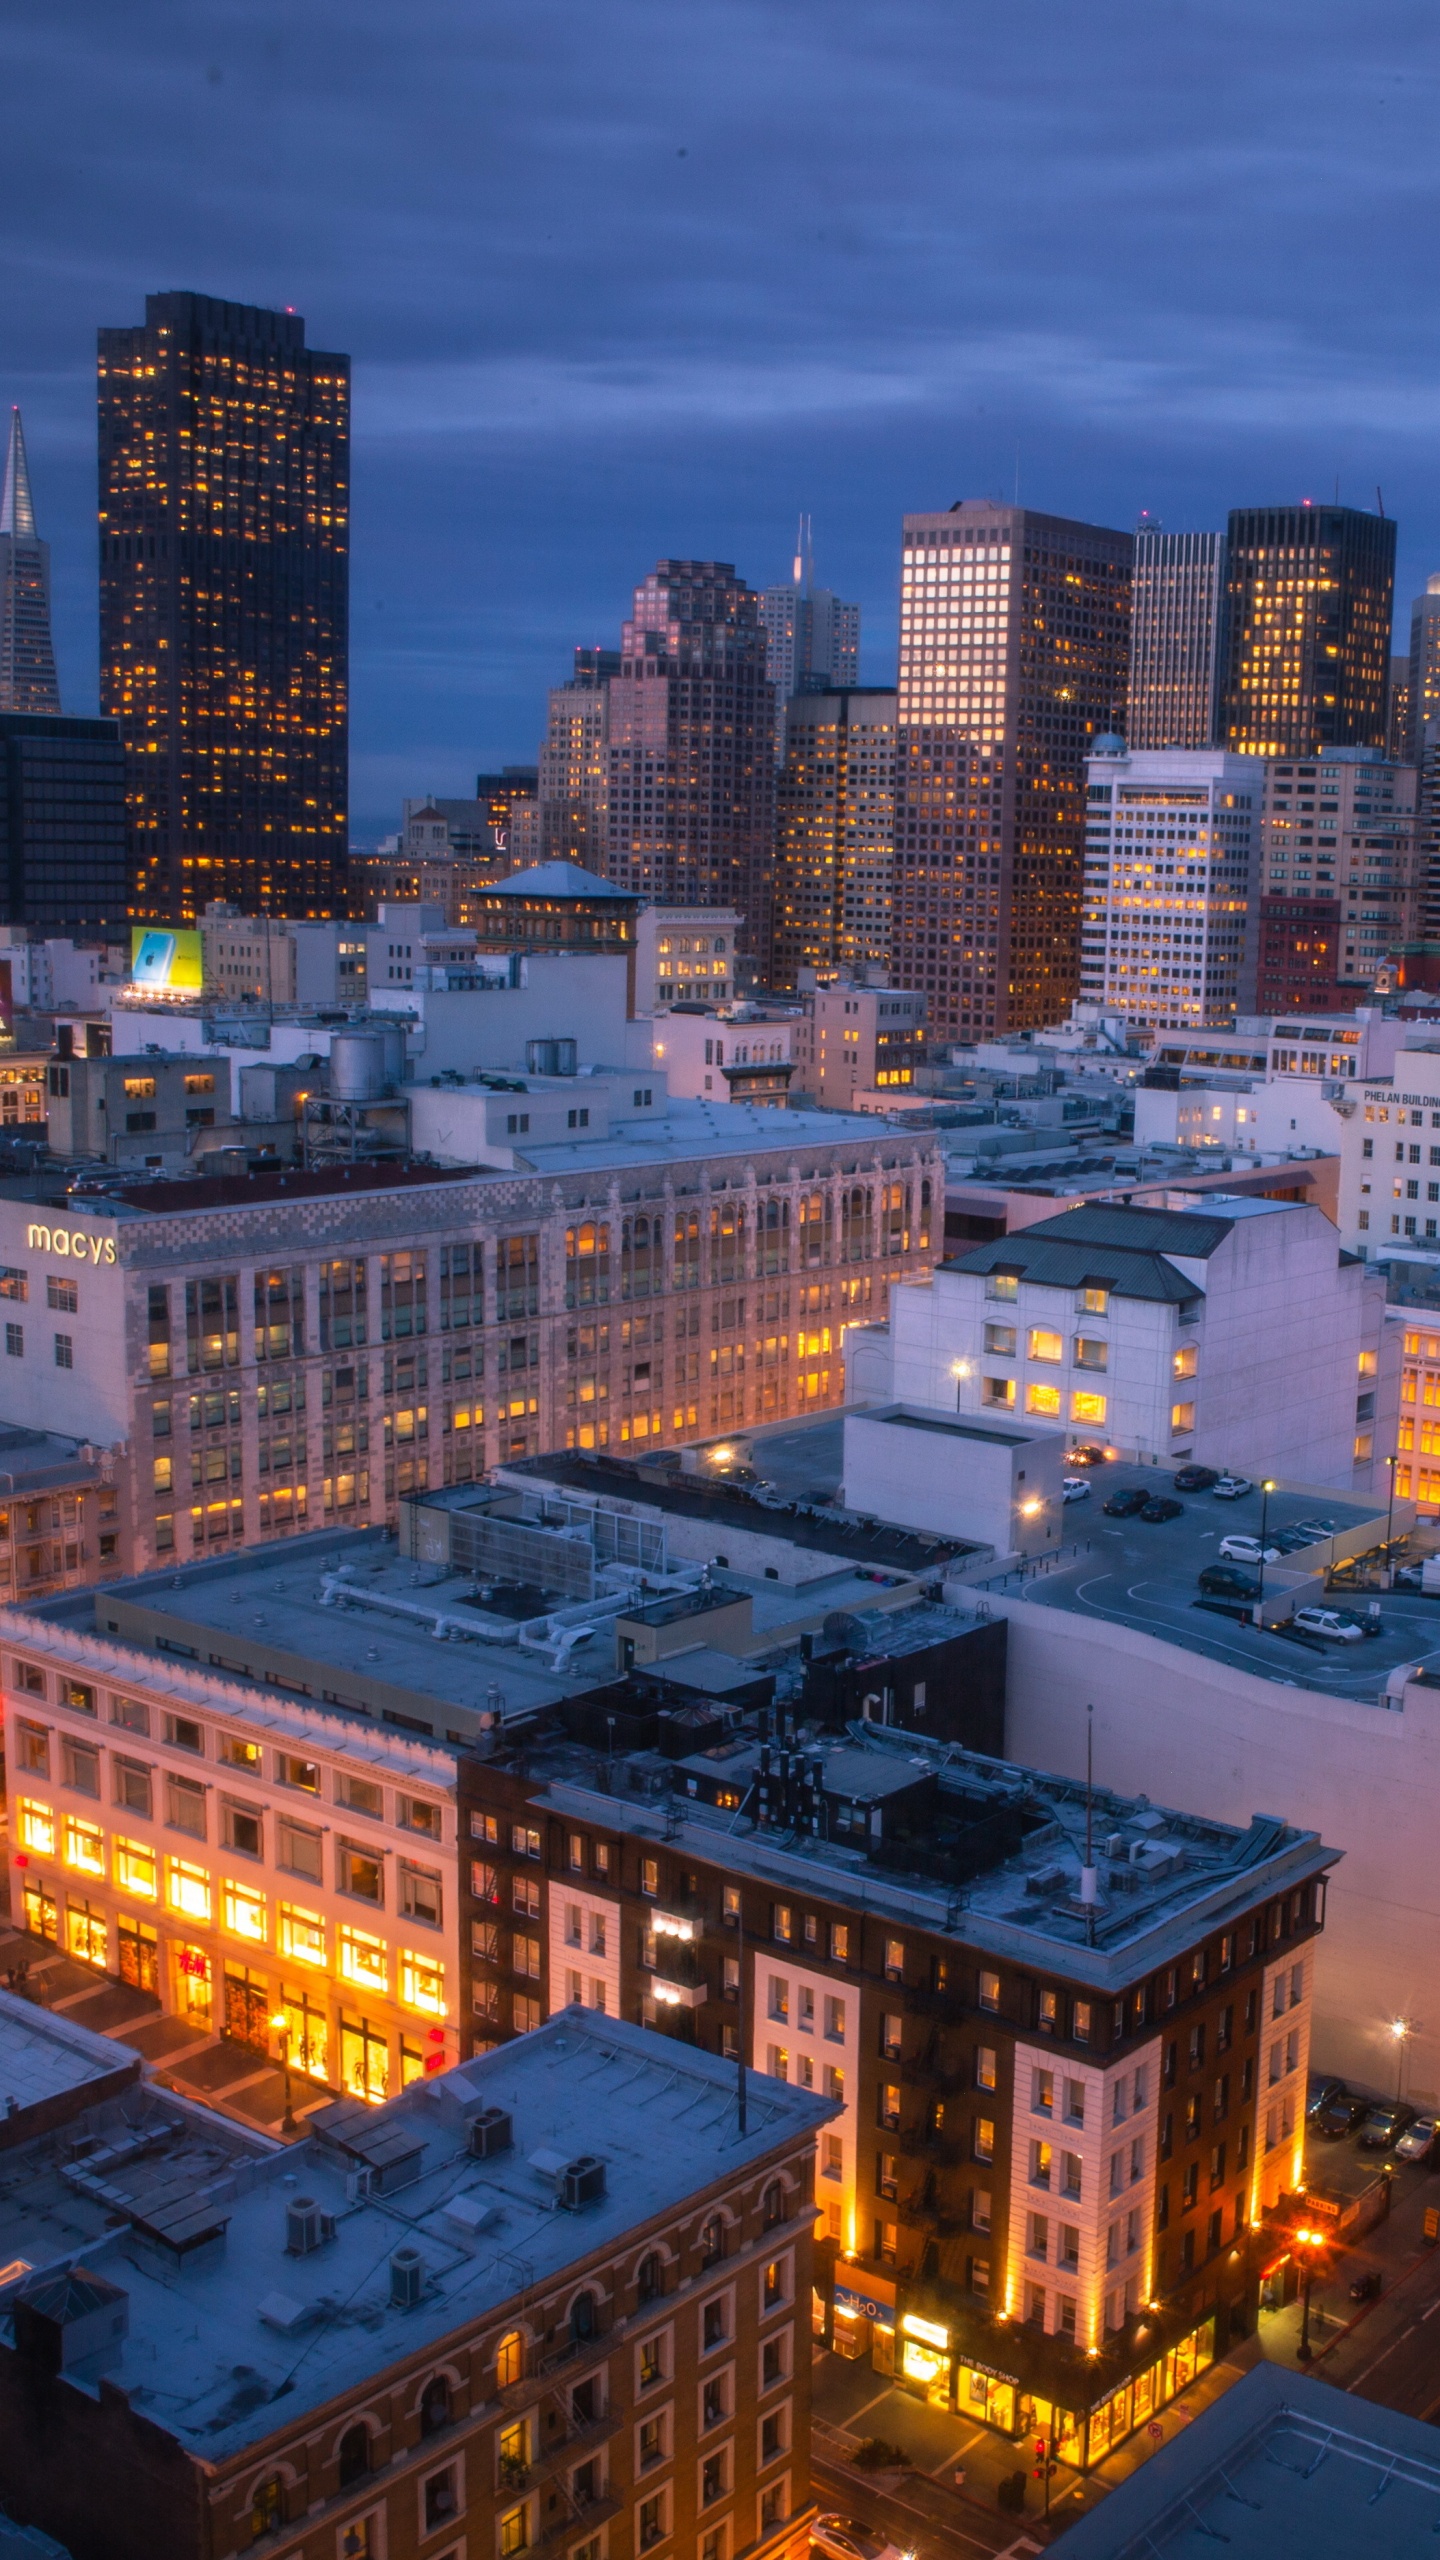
(17, 507)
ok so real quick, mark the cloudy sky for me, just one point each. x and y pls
(650, 276)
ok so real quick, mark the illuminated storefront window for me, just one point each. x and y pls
(37, 1828)
(364, 1959)
(84, 1846)
(187, 1889)
(422, 1983)
(302, 1934)
(309, 2034)
(364, 2060)
(86, 1934)
(136, 1869)
(245, 1914)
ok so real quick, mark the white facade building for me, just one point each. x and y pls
(1171, 846)
(684, 955)
(1239, 1335)
(1390, 1157)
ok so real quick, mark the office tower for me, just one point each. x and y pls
(1397, 726)
(1341, 877)
(812, 640)
(691, 785)
(1309, 596)
(835, 831)
(1170, 864)
(572, 772)
(1422, 670)
(224, 540)
(63, 865)
(1014, 645)
(27, 656)
(1175, 638)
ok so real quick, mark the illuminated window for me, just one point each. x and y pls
(245, 1915)
(1045, 1345)
(1042, 1400)
(86, 1934)
(422, 1983)
(84, 1846)
(1182, 1417)
(37, 1828)
(302, 1934)
(509, 2360)
(1085, 1406)
(187, 1889)
(136, 1869)
(364, 1959)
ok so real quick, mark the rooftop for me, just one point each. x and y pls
(1142, 1574)
(34, 1461)
(1132, 1251)
(1279, 2464)
(52, 2064)
(188, 2216)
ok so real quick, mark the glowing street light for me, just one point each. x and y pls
(1310, 2242)
(960, 1370)
(1401, 2029)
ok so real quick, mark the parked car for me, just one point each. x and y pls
(1227, 1582)
(1409, 1577)
(1124, 1504)
(841, 2538)
(1090, 1455)
(1364, 2288)
(1320, 2088)
(1075, 1489)
(1243, 1550)
(1230, 1488)
(1291, 1541)
(1196, 1480)
(1316, 1528)
(1417, 2142)
(1329, 1624)
(1340, 2115)
(1383, 2123)
(1161, 1507)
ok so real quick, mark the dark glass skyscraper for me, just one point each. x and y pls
(1309, 598)
(224, 594)
(691, 791)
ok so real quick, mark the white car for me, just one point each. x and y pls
(1243, 1550)
(1076, 1489)
(1326, 1622)
(1230, 1488)
(841, 2538)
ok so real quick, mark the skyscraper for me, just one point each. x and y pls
(1014, 644)
(1171, 874)
(1309, 597)
(27, 656)
(835, 832)
(691, 788)
(812, 640)
(1423, 698)
(573, 772)
(1175, 639)
(224, 538)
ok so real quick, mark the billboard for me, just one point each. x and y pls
(166, 962)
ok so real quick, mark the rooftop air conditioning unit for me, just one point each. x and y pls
(407, 2278)
(306, 2227)
(583, 2182)
(491, 2131)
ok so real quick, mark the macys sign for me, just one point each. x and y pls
(72, 1241)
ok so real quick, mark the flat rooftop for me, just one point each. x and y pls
(342, 1619)
(44, 2057)
(1279, 2464)
(1143, 1574)
(38, 1461)
(187, 2215)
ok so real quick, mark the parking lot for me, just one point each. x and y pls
(1145, 1574)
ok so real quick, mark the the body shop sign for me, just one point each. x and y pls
(71, 1242)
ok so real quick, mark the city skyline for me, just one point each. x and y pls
(605, 327)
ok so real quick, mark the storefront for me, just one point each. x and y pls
(864, 2321)
(925, 2358)
(937, 2363)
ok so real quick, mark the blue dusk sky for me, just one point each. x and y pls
(651, 276)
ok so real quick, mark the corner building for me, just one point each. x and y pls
(224, 605)
(1070, 2095)
(1014, 646)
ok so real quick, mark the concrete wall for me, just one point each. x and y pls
(996, 1483)
(1207, 1737)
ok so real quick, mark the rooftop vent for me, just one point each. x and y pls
(407, 2279)
(491, 2131)
(73, 2322)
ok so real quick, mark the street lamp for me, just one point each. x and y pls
(1390, 1466)
(959, 1371)
(1310, 2241)
(1400, 2029)
(1266, 1490)
(281, 2025)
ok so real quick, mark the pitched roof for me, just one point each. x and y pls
(558, 880)
(1192, 1233)
(1052, 1262)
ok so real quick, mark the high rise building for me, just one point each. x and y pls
(1170, 863)
(691, 768)
(1014, 646)
(62, 823)
(1175, 639)
(1423, 671)
(27, 656)
(1309, 598)
(224, 541)
(812, 639)
(1341, 886)
(835, 832)
(1397, 730)
(573, 762)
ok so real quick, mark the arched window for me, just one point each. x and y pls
(267, 2508)
(434, 2405)
(772, 2204)
(354, 2454)
(712, 2241)
(650, 2281)
(509, 2360)
(584, 2318)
